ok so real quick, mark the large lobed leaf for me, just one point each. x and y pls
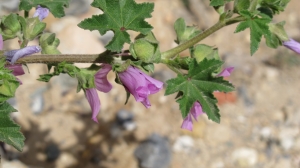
(199, 85)
(56, 7)
(119, 16)
(258, 28)
(10, 131)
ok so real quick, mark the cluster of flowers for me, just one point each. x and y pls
(139, 84)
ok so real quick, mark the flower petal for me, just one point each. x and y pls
(17, 69)
(292, 45)
(187, 123)
(101, 81)
(94, 101)
(13, 55)
(134, 82)
(153, 84)
(196, 110)
(226, 72)
(41, 12)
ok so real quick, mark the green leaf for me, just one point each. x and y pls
(199, 85)
(56, 7)
(8, 82)
(218, 2)
(9, 130)
(240, 5)
(275, 6)
(119, 16)
(258, 28)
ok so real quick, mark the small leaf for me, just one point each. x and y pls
(56, 7)
(119, 16)
(9, 130)
(199, 85)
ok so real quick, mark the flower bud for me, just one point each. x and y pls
(32, 27)
(10, 26)
(146, 48)
(202, 51)
(49, 43)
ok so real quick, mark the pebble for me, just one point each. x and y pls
(12, 164)
(37, 100)
(154, 152)
(183, 144)
(66, 160)
(125, 119)
(52, 152)
(245, 157)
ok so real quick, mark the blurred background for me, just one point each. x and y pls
(259, 125)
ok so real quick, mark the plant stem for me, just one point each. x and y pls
(105, 57)
(173, 52)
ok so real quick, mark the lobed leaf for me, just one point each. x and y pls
(199, 85)
(9, 130)
(119, 16)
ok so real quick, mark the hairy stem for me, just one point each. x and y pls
(173, 52)
(105, 57)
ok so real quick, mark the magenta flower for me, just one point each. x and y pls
(13, 55)
(139, 84)
(195, 111)
(102, 85)
(94, 101)
(292, 45)
(226, 72)
(41, 12)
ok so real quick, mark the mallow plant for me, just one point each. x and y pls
(199, 75)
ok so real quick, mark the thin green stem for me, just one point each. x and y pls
(173, 52)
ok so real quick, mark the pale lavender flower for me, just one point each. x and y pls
(94, 101)
(139, 84)
(102, 85)
(17, 69)
(195, 111)
(292, 45)
(226, 72)
(13, 55)
(41, 12)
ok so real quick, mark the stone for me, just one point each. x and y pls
(11, 5)
(125, 119)
(66, 160)
(183, 144)
(245, 157)
(52, 152)
(154, 152)
(12, 164)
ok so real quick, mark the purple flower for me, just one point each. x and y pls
(94, 101)
(17, 69)
(292, 45)
(41, 12)
(13, 55)
(226, 72)
(139, 84)
(101, 81)
(102, 85)
(195, 111)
